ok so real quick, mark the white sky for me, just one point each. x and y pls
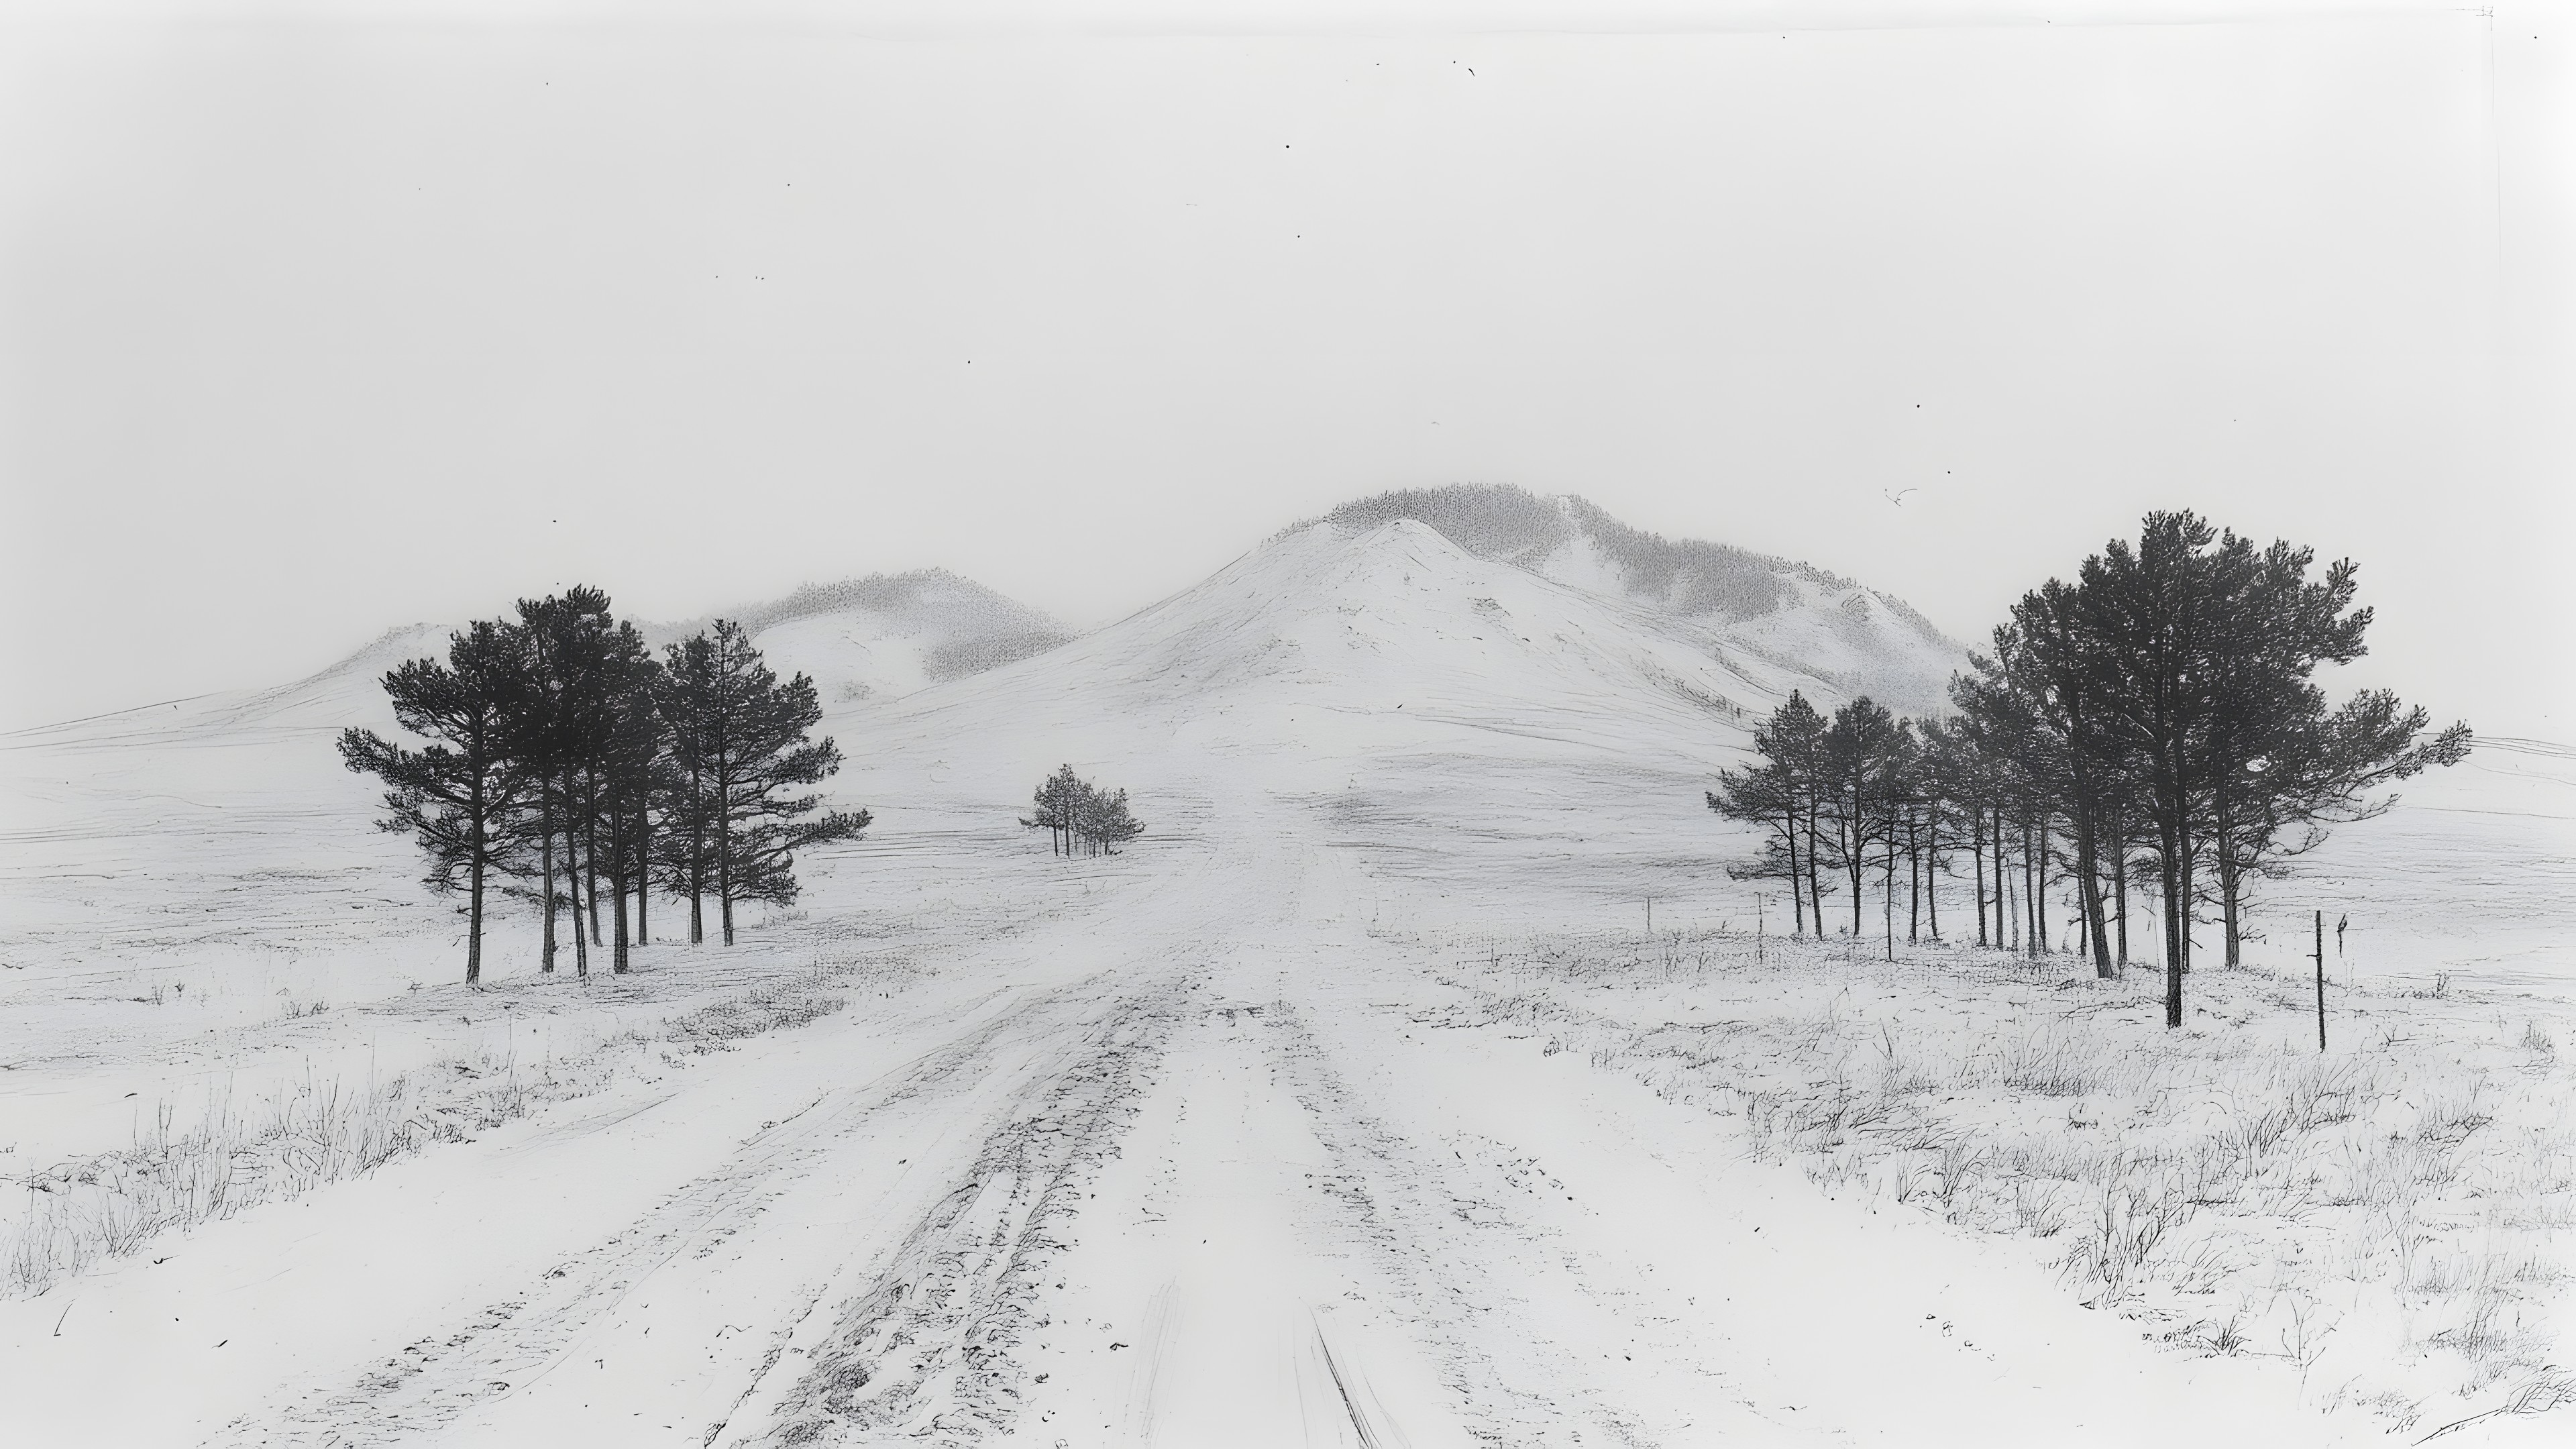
(315, 320)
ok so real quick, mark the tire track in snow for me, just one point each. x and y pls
(1383, 1180)
(513, 1343)
(926, 1351)
(1501, 1295)
(1217, 1293)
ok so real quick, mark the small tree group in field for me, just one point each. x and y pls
(563, 757)
(2157, 718)
(1080, 818)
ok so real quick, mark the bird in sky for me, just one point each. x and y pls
(1898, 497)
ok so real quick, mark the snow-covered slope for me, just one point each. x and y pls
(889, 634)
(201, 795)
(1792, 614)
(877, 637)
(1429, 710)
(1361, 623)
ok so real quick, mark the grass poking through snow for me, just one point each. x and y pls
(2389, 1216)
(236, 1157)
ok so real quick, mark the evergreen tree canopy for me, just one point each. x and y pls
(1079, 817)
(753, 734)
(463, 796)
(2161, 710)
(565, 756)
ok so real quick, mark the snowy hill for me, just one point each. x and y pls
(1445, 717)
(1369, 622)
(224, 787)
(1793, 615)
(1343, 639)
(877, 637)
(889, 634)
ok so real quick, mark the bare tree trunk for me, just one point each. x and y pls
(2229, 877)
(617, 872)
(643, 877)
(590, 849)
(2180, 922)
(1797, 875)
(698, 884)
(1977, 831)
(1815, 880)
(643, 865)
(2176, 881)
(546, 851)
(2011, 904)
(1797, 902)
(2003, 903)
(2174, 832)
(1855, 851)
(724, 883)
(2032, 920)
(1887, 890)
(2120, 883)
(2039, 889)
(573, 864)
(1913, 883)
(474, 917)
(2087, 869)
(697, 850)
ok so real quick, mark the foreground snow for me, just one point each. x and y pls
(1196, 1159)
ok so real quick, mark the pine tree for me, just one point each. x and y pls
(2282, 764)
(1779, 796)
(559, 727)
(1057, 808)
(1079, 817)
(686, 843)
(2207, 649)
(1856, 757)
(2038, 707)
(464, 797)
(754, 739)
(1104, 822)
(632, 751)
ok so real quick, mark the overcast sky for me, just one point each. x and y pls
(316, 320)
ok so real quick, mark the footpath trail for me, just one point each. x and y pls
(1205, 1164)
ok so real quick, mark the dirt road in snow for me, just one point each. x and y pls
(1203, 1165)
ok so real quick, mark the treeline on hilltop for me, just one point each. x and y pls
(564, 760)
(2156, 722)
(1080, 818)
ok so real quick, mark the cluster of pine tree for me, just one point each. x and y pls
(564, 760)
(1080, 818)
(2156, 722)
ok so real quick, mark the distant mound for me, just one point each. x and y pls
(879, 637)
(1792, 614)
(887, 635)
(1349, 649)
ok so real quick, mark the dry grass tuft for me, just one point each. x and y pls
(106, 1206)
(2413, 1187)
